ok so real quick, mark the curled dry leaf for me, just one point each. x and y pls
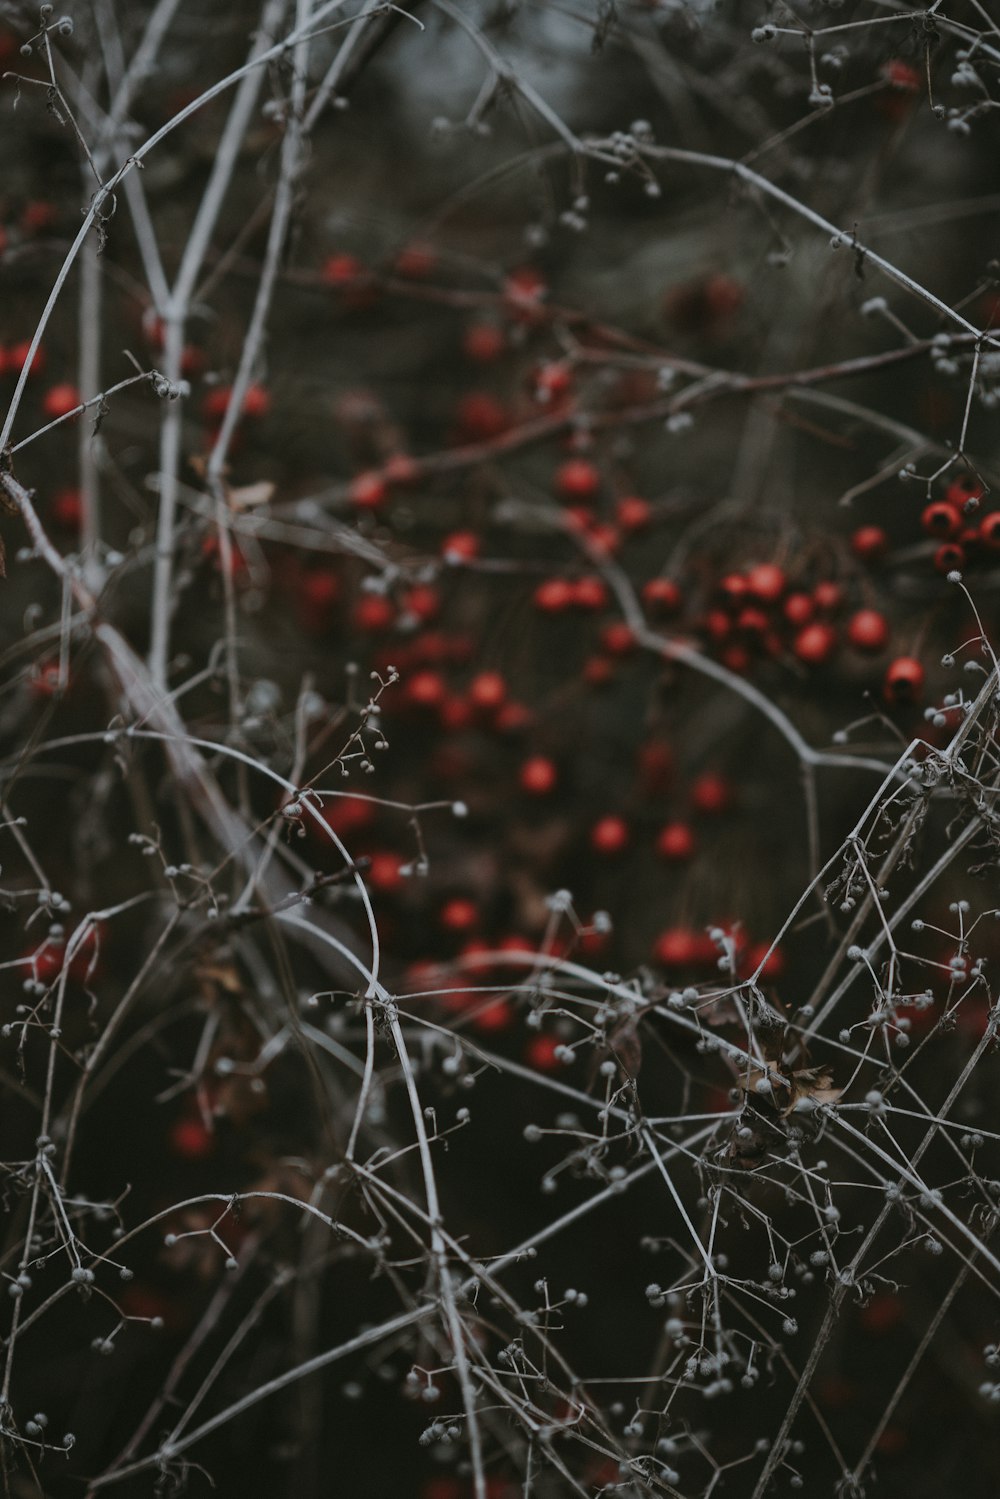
(787, 1090)
(250, 496)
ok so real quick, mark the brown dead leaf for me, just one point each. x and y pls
(248, 496)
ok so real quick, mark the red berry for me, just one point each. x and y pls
(483, 343)
(37, 216)
(828, 596)
(655, 763)
(482, 416)
(617, 639)
(384, 872)
(538, 776)
(416, 261)
(256, 402)
(401, 469)
(710, 793)
(733, 588)
(60, 400)
(961, 491)
(422, 602)
(766, 582)
(373, 614)
(869, 543)
(736, 658)
(904, 680)
(367, 491)
(633, 513)
(868, 630)
(460, 546)
(554, 596)
(752, 621)
(540, 1053)
(717, 625)
(425, 689)
(598, 671)
(190, 1139)
(67, 509)
(456, 714)
(941, 519)
(949, 556)
(989, 530)
(17, 355)
(318, 592)
(815, 644)
(773, 961)
(609, 836)
(342, 271)
(459, 915)
(487, 691)
(553, 380)
(901, 75)
(524, 290)
(676, 841)
(680, 947)
(661, 596)
(577, 479)
(799, 608)
(604, 538)
(513, 718)
(590, 593)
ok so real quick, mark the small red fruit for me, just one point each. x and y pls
(190, 1139)
(524, 290)
(710, 794)
(815, 644)
(459, 915)
(554, 596)
(422, 602)
(67, 509)
(617, 639)
(538, 776)
(487, 691)
(799, 609)
(373, 614)
(577, 479)
(341, 271)
(416, 261)
(869, 543)
(540, 1053)
(483, 343)
(949, 556)
(828, 596)
(367, 491)
(481, 416)
(384, 872)
(553, 380)
(868, 630)
(609, 836)
(460, 546)
(661, 596)
(941, 519)
(17, 354)
(989, 530)
(676, 842)
(904, 680)
(680, 947)
(766, 582)
(60, 400)
(633, 513)
(590, 593)
(425, 689)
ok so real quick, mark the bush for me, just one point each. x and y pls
(500, 750)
